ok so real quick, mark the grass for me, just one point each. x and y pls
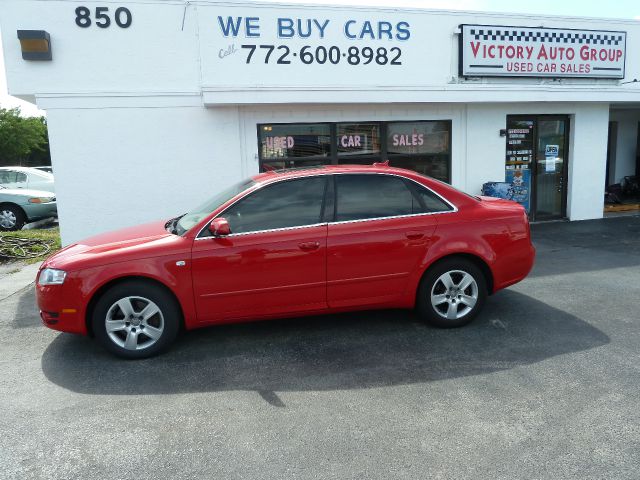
(50, 235)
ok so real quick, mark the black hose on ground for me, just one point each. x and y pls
(21, 248)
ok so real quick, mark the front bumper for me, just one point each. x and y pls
(38, 211)
(61, 307)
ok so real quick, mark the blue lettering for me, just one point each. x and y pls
(285, 28)
(321, 27)
(306, 34)
(251, 24)
(385, 28)
(346, 29)
(230, 26)
(368, 30)
(403, 31)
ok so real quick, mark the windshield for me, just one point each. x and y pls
(190, 219)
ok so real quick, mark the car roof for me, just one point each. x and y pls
(26, 170)
(275, 175)
(451, 193)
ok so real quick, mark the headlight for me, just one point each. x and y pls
(41, 199)
(51, 276)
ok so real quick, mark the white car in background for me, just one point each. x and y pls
(28, 178)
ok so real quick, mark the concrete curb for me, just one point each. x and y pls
(14, 282)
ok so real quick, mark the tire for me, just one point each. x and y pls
(12, 218)
(451, 293)
(132, 333)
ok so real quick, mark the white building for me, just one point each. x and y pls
(154, 105)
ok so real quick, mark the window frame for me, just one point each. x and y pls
(330, 190)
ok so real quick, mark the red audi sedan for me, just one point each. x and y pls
(291, 243)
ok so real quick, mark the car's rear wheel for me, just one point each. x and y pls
(136, 319)
(11, 218)
(452, 293)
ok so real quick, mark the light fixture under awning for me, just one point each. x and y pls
(35, 45)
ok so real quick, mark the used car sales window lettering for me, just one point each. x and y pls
(303, 28)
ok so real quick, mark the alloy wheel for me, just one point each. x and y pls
(134, 323)
(454, 294)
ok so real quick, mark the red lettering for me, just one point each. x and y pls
(542, 54)
(475, 46)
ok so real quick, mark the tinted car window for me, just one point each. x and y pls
(432, 203)
(21, 177)
(372, 196)
(291, 203)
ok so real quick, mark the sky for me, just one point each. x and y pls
(628, 9)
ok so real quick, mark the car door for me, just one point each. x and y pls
(274, 260)
(380, 235)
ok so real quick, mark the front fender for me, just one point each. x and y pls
(163, 270)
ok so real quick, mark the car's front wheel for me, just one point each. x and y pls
(136, 319)
(452, 293)
(11, 218)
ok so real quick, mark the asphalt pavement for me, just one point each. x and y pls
(544, 384)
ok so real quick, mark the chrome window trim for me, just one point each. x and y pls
(453, 207)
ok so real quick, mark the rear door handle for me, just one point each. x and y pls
(309, 246)
(414, 235)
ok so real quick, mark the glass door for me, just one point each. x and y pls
(550, 168)
(536, 163)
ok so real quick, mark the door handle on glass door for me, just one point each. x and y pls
(414, 235)
(309, 246)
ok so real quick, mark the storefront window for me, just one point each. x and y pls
(358, 139)
(423, 146)
(282, 145)
(411, 138)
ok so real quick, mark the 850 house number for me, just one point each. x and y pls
(122, 17)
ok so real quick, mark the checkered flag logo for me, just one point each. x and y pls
(547, 36)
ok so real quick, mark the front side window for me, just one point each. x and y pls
(192, 218)
(365, 196)
(21, 177)
(290, 203)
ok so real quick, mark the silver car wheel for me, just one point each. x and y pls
(454, 294)
(134, 323)
(7, 219)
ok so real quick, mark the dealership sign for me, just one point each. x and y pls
(505, 51)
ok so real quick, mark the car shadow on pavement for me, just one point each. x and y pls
(347, 351)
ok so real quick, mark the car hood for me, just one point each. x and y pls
(141, 241)
(27, 193)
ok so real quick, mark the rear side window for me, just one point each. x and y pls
(373, 196)
(432, 203)
(290, 203)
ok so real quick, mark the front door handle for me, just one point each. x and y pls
(414, 235)
(309, 246)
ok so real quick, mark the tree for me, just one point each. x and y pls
(22, 139)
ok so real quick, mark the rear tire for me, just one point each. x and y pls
(12, 218)
(136, 319)
(451, 293)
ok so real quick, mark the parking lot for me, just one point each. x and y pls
(544, 384)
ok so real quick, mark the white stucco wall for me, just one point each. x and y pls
(117, 167)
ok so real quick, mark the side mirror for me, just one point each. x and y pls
(219, 227)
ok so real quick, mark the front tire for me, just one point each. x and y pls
(451, 293)
(12, 218)
(135, 319)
